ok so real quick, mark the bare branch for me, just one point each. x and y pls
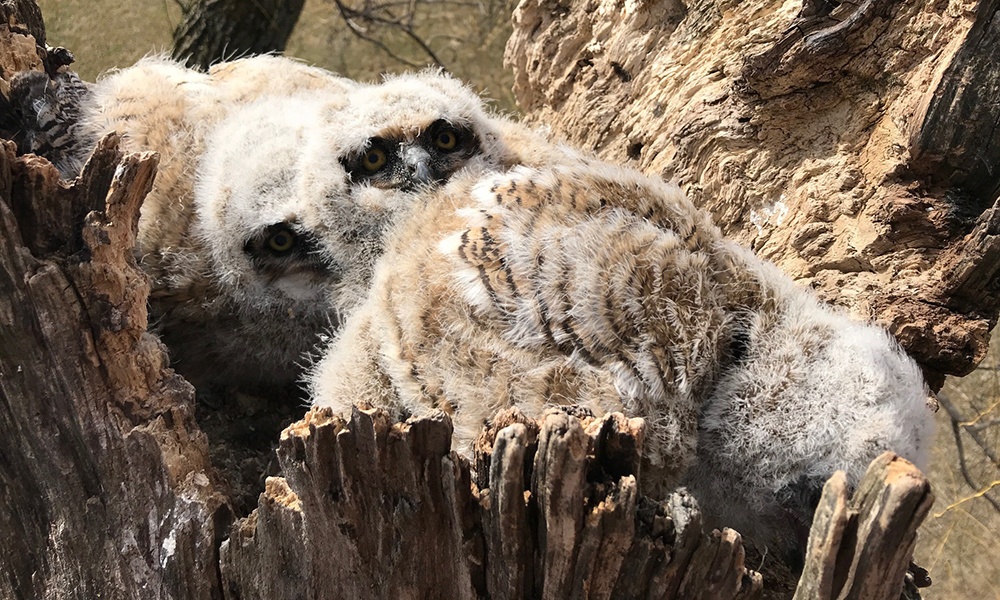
(382, 15)
(973, 432)
(349, 15)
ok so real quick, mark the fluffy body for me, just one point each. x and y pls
(261, 147)
(583, 283)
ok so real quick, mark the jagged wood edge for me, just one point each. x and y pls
(554, 512)
(108, 490)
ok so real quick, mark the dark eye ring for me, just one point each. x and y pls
(373, 159)
(446, 139)
(281, 241)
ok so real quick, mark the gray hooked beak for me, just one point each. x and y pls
(418, 160)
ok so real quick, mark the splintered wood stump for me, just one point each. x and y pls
(370, 511)
(860, 547)
(852, 143)
(105, 484)
(375, 509)
(386, 510)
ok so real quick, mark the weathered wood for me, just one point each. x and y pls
(22, 35)
(381, 505)
(953, 143)
(825, 537)
(501, 466)
(558, 481)
(369, 509)
(850, 142)
(861, 548)
(105, 487)
(23, 18)
(276, 569)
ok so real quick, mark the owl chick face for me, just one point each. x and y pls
(277, 209)
(408, 158)
(304, 189)
(276, 184)
(291, 205)
(420, 128)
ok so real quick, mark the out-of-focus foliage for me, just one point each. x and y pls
(960, 540)
(467, 38)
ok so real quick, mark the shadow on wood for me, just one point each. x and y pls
(105, 485)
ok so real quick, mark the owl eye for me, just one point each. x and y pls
(281, 241)
(373, 159)
(446, 139)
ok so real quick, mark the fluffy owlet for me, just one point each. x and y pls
(276, 184)
(583, 283)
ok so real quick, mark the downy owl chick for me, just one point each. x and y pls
(292, 202)
(158, 102)
(276, 182)
(584, 283)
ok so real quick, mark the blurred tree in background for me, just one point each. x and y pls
(383, 23)
(361, 39)
(214, 30)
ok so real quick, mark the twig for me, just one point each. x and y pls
(349, 14)
(963, 466)
(972, 431)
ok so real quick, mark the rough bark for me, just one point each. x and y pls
(23, 18)
(372, 509)
(105, 485)
(860, 547)
(853, 143)
(216, 30)
(107, 489)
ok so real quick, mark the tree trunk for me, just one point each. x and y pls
(852, 143)
(216, 30)
(105, 485)
(107, 488)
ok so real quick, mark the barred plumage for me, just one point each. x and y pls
(583, 283)
(48, 117)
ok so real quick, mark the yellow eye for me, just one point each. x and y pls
(373, 160)
(281, 241)
(445, 140)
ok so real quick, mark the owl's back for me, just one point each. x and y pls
(588, 284)
(558, 301)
